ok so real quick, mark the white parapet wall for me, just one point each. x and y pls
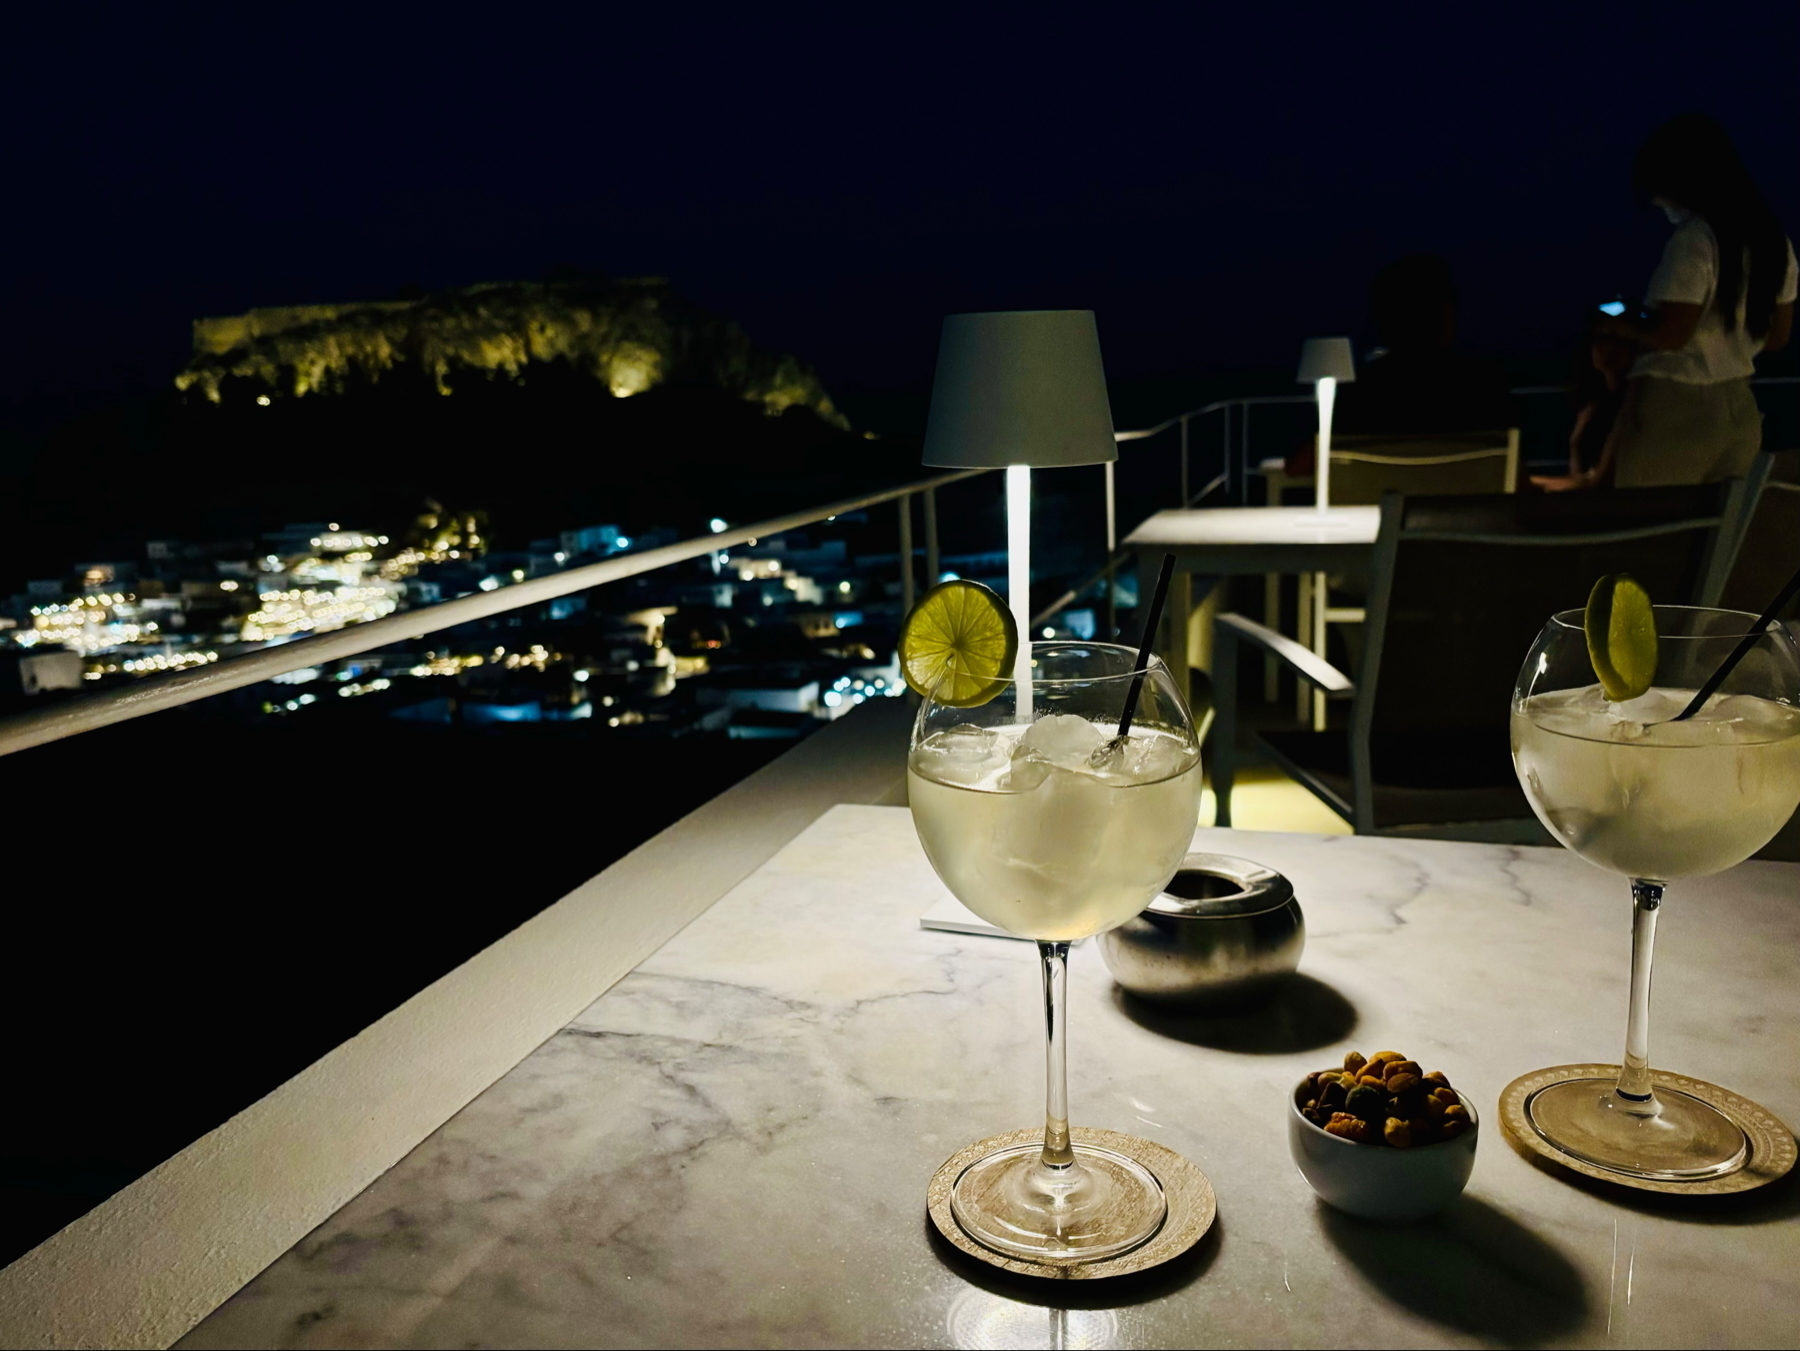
(144, 1266)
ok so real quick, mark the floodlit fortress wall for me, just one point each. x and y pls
(218, 335)
(628, 334)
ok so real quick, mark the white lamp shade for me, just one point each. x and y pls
(1326, 358)
(1019, 387)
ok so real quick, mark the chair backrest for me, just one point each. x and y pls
(1363, 468)
(1768, 550)
(1460, 586)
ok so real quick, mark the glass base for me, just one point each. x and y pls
(1102, 1206)
(1672, 1138)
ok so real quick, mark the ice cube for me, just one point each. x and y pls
(1151, 759)
(1138, 759)
(1632, 719)
(1061, 739)
(1061, 830)
(965, 755)
(1028, 772)
(1732, 708)
(1653, 705)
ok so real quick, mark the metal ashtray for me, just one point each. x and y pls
(1225, 931)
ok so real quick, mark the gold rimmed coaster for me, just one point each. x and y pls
(1192, 1206)
(1771, 1153)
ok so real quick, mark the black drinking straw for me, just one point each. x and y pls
(1143, 656)
(1738, 653)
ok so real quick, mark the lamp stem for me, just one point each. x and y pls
(1018, 576)
(1327, 396)
(1322, 475)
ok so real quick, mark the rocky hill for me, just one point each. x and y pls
(628, 336)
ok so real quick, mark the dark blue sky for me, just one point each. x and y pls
(1217, 184)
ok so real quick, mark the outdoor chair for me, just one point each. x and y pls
(1459, 587)
(1768, 549)
(1435, 464)
(1365, 467)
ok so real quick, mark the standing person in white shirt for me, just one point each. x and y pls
(1723, 293)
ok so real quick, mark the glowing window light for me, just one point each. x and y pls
(262, 400)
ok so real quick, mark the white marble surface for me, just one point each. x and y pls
(1258, 525)
(732, 1146)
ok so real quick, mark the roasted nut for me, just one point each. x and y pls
(1347, 1126)
(1368, 1103)
(1386, 1099)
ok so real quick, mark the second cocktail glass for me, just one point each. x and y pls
(1636, 792)
(1042, 822)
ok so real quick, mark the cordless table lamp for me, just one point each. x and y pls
(1023, 390)
(1325, 363)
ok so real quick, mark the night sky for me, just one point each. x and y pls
(1217, 185)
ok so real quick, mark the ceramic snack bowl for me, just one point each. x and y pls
(1379, 1182)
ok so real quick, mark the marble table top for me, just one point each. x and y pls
(731, 1147)
(1227, 526)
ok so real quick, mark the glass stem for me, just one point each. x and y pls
(1634, 1091)
(1057, 1152)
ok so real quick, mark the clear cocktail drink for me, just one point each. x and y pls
(1033, 835)
(1636, 793)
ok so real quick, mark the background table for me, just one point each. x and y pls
(1233, 541)
(731, 1147)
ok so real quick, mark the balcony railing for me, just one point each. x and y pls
(1230, 460)
(153, 694)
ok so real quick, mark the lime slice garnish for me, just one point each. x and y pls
(958, 644)
(1621, 636)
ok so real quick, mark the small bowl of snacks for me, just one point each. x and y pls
(1382, 1138)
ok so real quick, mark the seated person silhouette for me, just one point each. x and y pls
(1597, 389)
(1420, 381)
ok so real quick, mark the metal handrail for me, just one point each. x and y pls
(151, 695)
(1217, 406)
(156, 693)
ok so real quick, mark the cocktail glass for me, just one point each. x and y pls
(1042, 823)
(1635, 792)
